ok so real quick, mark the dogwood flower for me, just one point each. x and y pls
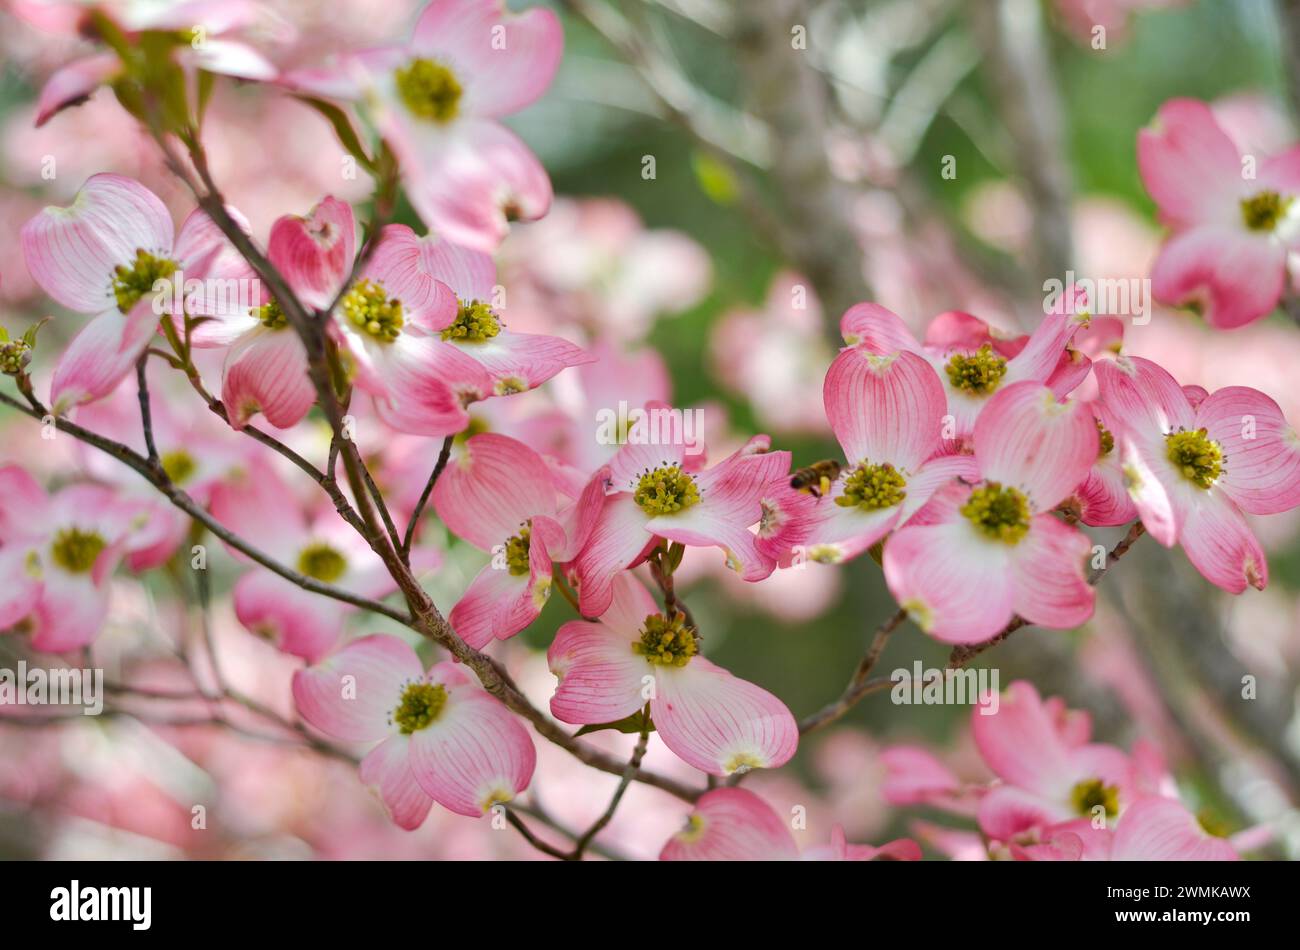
(657, 491)
(57, 553)
(734, 824)
(636, 655)
(103, 255)
(987, 552)
(887, 413)
(436, 100)
(383, 326)
(1232, 221)
(1193, 469)
(440, 736)
(502, 497)
(972, 361)
(1050, 773)
(261, 509)
(515, 362)
(206, 34)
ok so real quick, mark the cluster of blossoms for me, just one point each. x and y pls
(970, 459)
(1056, 795)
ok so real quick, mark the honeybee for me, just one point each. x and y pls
(817, 478)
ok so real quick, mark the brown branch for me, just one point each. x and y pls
(411, 524)
(861, 686)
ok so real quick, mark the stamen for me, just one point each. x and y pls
(517, 549)
(421, 705)
(978, 373)
(1000, 513)
(368, 307)
(1088, 794)
(872, 487)
(475, 322)
(75, 550)
(1198, 458)
(322, 562)
(667, 642)
(1106, 443)
(271, 315)
(133, 282)
(179, 465)
(429, 89)
(665, 491)
(1263, 211)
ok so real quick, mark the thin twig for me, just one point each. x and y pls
(443, 456)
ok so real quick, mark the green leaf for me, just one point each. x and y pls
(348, 137)
(715, 179)
(631, 726)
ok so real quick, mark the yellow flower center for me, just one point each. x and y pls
(475, 323)
(667, 642)
(1106, 441)
(517, 549)
(420, 707)
(1001, 513)
(322, 562)
(75, 550)
(368, 307)
(871, 487)
(978, 373)
(1198, 458)
(665, 491)
(179, 465)
(130, 283)
(1087, 795)
(1263, 211)
(429, 89)
(271, 316)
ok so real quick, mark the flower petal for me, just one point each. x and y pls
(1161, 829)
(1189, 164)
(1051, 588)
(72, 252)
(618, 541)
(1261, 450)
(493, 486)
(475, 754)
(1221, 545)
(885, 409)
(600, 678)
(266, 372)
(1236, 277)
(352, 694)
(1027, 438)
(732, 824)
(72, 84)
(315, 252)
(296, 621)
(506, 60)
(719, 723)
(387, 771)
(877, 330)
(101, 355)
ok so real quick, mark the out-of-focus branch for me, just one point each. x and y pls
(1024, 88)
(787, 92)
(860, 686)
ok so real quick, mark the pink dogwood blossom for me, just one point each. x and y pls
(103, 255)
(1232, 218)
(57, 553)
(658, 491)
(972, 361)
(983, 553)
(214, 28)
(1192, 470)
(636, 655)
(441, 738)
(888, 414)
(436, 100)
(502, 497)
(261, 509)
